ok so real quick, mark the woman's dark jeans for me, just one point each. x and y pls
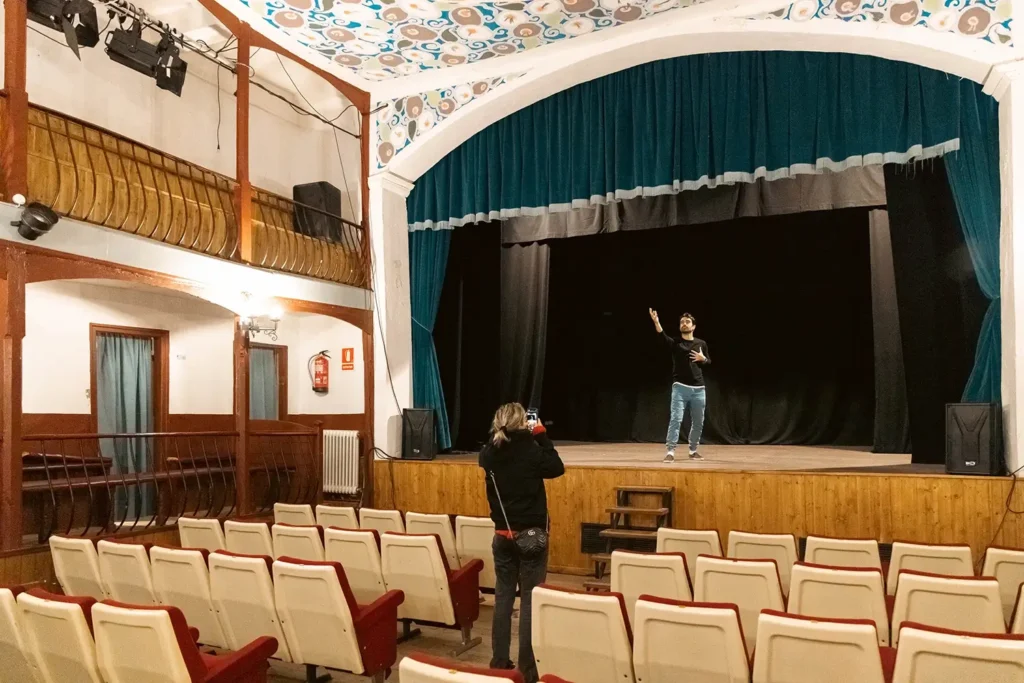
(510, 569)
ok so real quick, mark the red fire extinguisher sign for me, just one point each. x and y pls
(348, 359)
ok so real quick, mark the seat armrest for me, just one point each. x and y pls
(888, 656)
(375, 626)
(464, 585)
(242, 666)
(194, 632)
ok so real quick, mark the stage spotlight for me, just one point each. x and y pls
(75, 18)
(161, 61)
(36, 220)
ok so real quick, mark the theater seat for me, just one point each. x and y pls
(201, 533)
(77, 567)
(16, 663)
(243, 593)
(934, 655)
(688, 641)
(181, 578)
(126, 572)
(58, 636)
(751, 585)
(582, 636)
(473, 538)
(744, 545)
(358, 551)
(248, 538)
(1007, 567)
(136, 644)
(341, 517)
(303, 542)
(441, 525)
(968, 603)
(381, 520)
(689, 542)
(434, 594)
(660, 574)
(300, 515)
(795, 649)
(843, 552)
(324, 624)
(423, 668)
(840, 593)
(945, 560)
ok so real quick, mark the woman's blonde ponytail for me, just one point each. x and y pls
(509, 417)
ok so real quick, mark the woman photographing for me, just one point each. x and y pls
(516, 461)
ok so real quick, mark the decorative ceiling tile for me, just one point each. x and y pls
(989, 20)
(400, 121)
(381, 39)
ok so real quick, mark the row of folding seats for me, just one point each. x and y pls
(586, 637)
(48, 638)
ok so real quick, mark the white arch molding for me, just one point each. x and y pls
(996, 67)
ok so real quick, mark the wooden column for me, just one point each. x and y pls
(15, 133)
(12, 327)
(244, 198)
(242, 462)
(365, 132)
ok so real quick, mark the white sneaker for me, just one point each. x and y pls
(695, 456)
(670, 457)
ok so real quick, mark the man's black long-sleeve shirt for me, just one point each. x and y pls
(684, 370)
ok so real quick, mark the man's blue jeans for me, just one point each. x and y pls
(686, 397)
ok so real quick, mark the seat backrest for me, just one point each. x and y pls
(317, 611)
(473, 537)
(126, 572)
(301, 542)
(1007, 567)
(248, 538)
(744, 545)
(201, 533)
(58, 635)
(688, 641)
(689, 542)
(77, 567)
(243, 593)
(928, 654)
(423, 668)
(843, 552)
(751, 585)
(968, 603)
(381, 520)
(840, 593)
(420, 523)
(661, 574)
(947, 560)
(16, 664)
(416, 566)
(358, 551)
(181, 578)
(149, 645)
(341, 517)
(300, 515)
(582, 636)
(794, 649)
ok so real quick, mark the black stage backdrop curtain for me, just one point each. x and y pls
(941, 306)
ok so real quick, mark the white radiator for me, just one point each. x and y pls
(341, 461)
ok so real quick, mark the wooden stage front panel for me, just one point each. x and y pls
(907, 507)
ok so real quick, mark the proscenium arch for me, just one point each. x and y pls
(958, 56)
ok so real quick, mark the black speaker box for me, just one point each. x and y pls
(974, 438)
(418, 434)
(318, 211)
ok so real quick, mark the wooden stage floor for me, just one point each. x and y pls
(749, 458)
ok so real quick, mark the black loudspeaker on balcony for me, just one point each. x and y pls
(974, 438)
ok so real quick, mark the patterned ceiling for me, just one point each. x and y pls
(382, 39)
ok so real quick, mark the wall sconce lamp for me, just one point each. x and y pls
(253, 322)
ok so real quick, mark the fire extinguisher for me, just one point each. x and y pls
(318, 372)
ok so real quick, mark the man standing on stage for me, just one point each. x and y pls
(688, 356)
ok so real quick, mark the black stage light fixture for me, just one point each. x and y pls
(161, 62)
(76, 19)
(36, 220)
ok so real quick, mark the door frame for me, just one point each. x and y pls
(161, 369)
(281, 354)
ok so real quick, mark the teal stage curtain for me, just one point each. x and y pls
(690, 122)
(428, 258)
(973, 175)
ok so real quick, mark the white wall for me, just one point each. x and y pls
(56, 357)
(305, 335)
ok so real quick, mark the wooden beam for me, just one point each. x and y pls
(12, 326)
(244, 189)
(243, 490)
(365, 132)
(15, 134)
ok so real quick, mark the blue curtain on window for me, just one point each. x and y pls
(124, 405)
(428, 258)
(263, 379)
(973, 175)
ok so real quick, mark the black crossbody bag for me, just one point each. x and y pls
(531, 542)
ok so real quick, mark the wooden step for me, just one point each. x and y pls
(601, 557)
(597, 586)
(630, 534)
(645, 489)
(656, 512)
